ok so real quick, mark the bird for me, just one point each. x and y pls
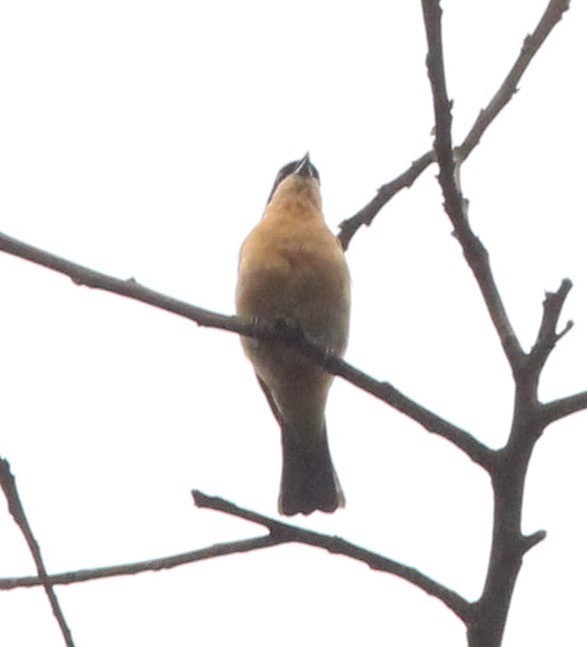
(292, 268)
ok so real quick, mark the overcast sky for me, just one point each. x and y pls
(141, 139)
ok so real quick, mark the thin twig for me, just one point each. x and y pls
(279, 533)
(338, 546)
(532, 43)
(158, 564)
(8, 484)
(473, 249)
(547, 335)
(261, 330)
(365, 216)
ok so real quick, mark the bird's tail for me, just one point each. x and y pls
(308, 479)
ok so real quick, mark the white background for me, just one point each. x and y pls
(141, 139)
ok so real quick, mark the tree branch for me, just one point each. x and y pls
(365, 216)
(338, 546)
(558, 409)
(547, 336)
(274, 331)
(158, 564)
(81, 275)
(473, 250)
(475, 450)
(552, 15)
(529, 541)
(508, 473)
(8, 485)
(279, 533)
(532, 43)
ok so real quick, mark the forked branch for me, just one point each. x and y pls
(547, 334)
(532, 43)
(288, 533)
(278, 533)
(486, 626)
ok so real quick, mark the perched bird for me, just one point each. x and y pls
(292, 268)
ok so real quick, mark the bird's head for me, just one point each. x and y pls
(298, 177)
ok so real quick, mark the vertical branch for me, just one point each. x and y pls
(474, 251)
(8, 485)
(485, 627)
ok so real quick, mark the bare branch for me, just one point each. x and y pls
(385, 193)
(158, 564)
(508, 472)
(8, 484)
(547, 335)
(442, 115)
(81, 275)
(532, 43)
(338, 546)
(529, 541)
(276, 331)
(279, 533)
(558, 409)
(473, 250)
(475, 450)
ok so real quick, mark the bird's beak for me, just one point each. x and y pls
(304, 168)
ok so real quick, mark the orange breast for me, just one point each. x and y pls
(295, 269)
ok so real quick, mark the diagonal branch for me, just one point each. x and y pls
(366, 215)
(8, 485)
(158, 564)
(475, 450)
(473, 249)
(278, 331)
(532, 43)
(338, 546)
(547, 335)
(82, 275)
